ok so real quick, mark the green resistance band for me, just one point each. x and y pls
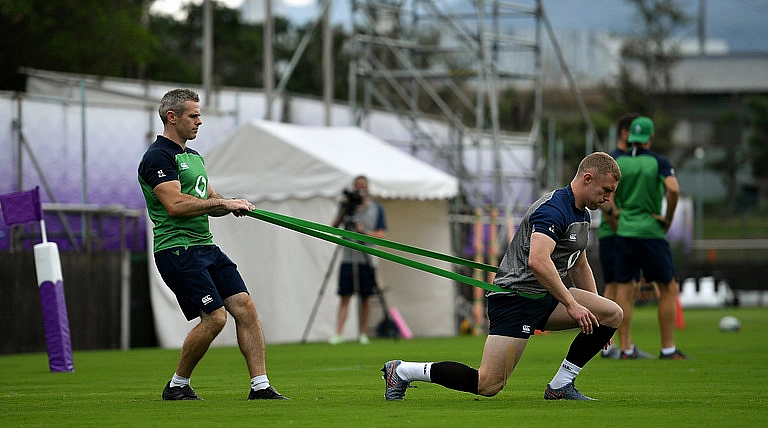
(337, 236)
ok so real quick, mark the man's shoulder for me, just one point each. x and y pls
(617, 152)
(162, 146)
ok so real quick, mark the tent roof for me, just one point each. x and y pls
(275, 161)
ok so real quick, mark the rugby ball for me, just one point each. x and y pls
(729, 323)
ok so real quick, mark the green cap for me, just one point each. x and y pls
(641, 130)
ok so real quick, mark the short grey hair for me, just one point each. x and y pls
(176, 100)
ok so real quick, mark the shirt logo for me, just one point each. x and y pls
(552, 228)
(207, 299)
(572, 238)
(526, 328)
(200, 186)
(184, 165)
(160, 173)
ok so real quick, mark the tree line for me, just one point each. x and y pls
(120, 38)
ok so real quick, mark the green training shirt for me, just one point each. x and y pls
(640, 193)
(166, 161)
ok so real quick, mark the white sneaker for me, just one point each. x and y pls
(364, 340)
(336, 340)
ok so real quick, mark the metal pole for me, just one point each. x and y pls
(207, 51)
(699, 223)
(19, 142)
(84, 168)
(269, 75)
(327, 62)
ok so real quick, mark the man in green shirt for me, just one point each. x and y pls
(606, 233)
(647, 178)
(205, 281)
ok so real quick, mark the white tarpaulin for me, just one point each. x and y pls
(301, 171)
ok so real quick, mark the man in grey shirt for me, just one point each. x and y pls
(361, 214)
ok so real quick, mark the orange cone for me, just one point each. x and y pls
(679, 317)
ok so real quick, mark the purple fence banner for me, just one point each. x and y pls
(21, 207)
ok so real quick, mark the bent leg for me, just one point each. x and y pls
(607, 311)
(250, 337)
(199, 339)
(586, 346)
(500, 356)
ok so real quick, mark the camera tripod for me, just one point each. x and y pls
(391, 329)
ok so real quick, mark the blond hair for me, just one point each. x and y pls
(600, 163)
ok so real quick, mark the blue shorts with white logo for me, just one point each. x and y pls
(513, 315)
(201, 277)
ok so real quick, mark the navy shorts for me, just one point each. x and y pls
(608, 258)
(513, 315)
(201, 277)
(366, 280)
(652, 256)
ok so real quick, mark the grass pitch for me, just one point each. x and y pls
(723, 385)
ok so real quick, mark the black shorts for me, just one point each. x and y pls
(513, 315)
(365, 285)
(607, 248)
(609, 258)
(201, 277)
(651, 256)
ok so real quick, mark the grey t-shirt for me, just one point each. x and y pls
(371, 217)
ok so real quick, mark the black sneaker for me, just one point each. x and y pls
(677, 355)
(174, 393)
(267, 393)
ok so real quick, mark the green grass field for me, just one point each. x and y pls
(723, 385)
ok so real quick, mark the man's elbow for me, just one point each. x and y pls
(174, 211)
(536, 265)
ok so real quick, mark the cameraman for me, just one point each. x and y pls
(359, 213)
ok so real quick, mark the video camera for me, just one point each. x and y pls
(352, 200)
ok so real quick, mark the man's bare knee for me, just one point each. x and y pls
(215, 321)
(613, 316)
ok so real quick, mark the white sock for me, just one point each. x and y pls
(177, 380)
(565, 375)
(667, 351)
(259, 382)
(414, 371)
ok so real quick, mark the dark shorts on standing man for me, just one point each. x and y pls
(652, 256)
(608, 258)
(201, 277)
(607, 248)
(513, 315)
(359, 278)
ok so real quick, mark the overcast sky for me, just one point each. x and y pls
(743, 24)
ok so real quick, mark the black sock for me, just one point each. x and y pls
(454, 375)
(586, 346)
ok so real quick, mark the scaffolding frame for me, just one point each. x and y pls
(461, 74)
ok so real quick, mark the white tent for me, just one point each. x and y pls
(301, 171)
